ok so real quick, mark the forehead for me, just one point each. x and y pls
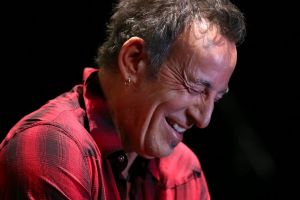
(202, 52)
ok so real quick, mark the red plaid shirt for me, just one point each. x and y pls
(68, 149)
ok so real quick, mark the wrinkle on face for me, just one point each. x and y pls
(179, 70)
(172, 74)
(193, 76)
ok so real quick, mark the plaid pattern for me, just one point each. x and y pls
(64, 151)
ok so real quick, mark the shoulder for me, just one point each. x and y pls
(44, 160)
(61, 116)
(47, 155)
(182, 162)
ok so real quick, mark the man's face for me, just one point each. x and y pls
(195, 75)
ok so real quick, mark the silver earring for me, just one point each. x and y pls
(128, 81)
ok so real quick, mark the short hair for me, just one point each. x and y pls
(160, 22)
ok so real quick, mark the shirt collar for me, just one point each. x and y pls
(100, 123)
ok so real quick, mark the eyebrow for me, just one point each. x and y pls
(209, 85)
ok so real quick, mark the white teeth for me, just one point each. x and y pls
(178, 128)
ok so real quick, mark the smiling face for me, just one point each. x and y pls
(155, 113)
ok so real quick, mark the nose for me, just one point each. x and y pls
(200, 112)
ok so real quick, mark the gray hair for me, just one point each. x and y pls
(160, 22)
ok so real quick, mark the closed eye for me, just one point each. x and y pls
(195, 90)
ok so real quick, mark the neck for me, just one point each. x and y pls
(109, 84)
(108, 81)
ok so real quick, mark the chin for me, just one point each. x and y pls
(158, 154)
(165, 154)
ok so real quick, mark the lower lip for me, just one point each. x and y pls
(176, 137)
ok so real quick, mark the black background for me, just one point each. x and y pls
(249, 151)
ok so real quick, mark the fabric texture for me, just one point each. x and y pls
(68, 149)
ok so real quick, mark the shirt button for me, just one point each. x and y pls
(121, 158)
(118, 160)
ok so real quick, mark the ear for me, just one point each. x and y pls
(132, 58)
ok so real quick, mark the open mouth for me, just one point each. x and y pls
(179, 129)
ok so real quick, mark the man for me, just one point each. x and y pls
(118, 135)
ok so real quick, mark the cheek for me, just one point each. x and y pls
(157, 144)
(157, 140)
(147, 131)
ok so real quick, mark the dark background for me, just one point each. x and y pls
(249, 151)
